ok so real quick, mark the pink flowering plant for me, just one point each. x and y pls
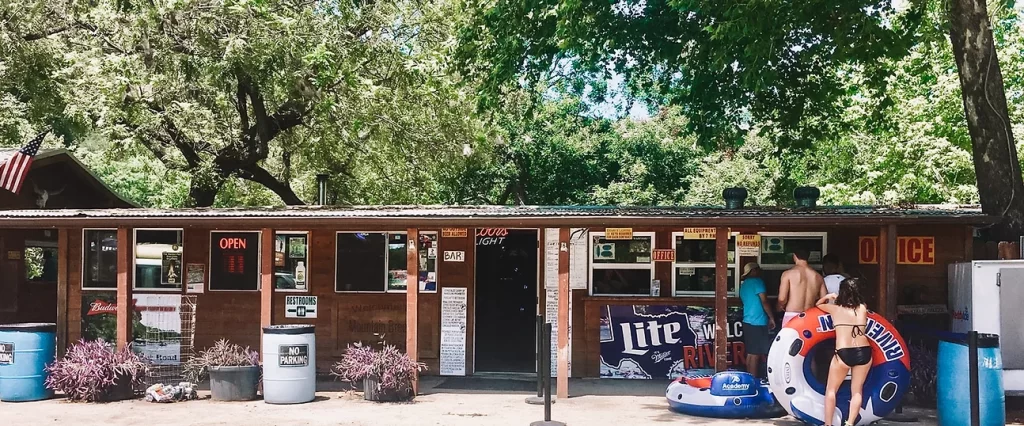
(91, 370)
(393, 369)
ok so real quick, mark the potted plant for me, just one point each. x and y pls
(234, 371)
(387, 374)
(92, 371)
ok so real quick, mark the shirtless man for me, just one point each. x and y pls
(801, 286)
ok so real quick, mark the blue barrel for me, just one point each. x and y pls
(25, 351)
(954, 382)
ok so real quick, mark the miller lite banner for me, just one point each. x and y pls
(664, 342)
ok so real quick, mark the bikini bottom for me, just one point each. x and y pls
(853, 357)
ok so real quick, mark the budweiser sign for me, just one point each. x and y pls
(100, 307)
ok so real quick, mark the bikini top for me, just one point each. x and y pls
(857, 331)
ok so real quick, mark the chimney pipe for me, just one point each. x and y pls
(321, 189)
(806, 197)
(734, 197)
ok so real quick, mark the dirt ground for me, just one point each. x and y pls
(592, 405)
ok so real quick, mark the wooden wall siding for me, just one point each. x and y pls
(345, 318)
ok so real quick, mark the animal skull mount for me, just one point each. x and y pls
(43, 195)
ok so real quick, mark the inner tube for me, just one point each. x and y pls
(729, 394)
(803, 396)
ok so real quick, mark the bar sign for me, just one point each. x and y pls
(618, 233)
(6, 353)
(664, 255)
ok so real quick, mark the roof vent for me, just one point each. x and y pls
(806, 196)
(734, 197)
(321, 189)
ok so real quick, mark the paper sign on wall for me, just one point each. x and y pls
(618, 234)
(699, 233)
(453, 331)
(454, 232)
(196, 276)
(300, 307)
(578, 262)
(454, 256)
(748, 244)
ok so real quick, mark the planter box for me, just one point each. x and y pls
(121, 391)
(234, 383)
(371, 393)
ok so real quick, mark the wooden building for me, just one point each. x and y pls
(584, 267)
(56, 180)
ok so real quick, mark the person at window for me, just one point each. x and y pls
(832, 267)
(853, 353)
(758, 320)
(801, 285)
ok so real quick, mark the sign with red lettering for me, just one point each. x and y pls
(909, 250)
(234, 260)
(664, 255)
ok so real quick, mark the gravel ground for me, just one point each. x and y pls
(594, 404)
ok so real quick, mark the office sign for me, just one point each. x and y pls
(664, 255)
(909, 250)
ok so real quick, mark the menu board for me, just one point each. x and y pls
(578, 267)
(551, 248)
(453, 331)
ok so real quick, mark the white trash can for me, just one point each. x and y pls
(289, 364)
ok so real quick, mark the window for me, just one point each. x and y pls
(235, 260)
(41, 261)
(361, 261)
(777, 254)
(621, 267)
(100, 268)
(398, 262)
(158, 258)
(378, 261)
(291, 261)
(694, 268)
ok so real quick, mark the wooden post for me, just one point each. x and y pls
(721, 294)
(412, 295)
(62, 291)
(891, 298)
(266, 282)
(563, 314)
(124, 288)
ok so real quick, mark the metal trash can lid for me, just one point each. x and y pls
(29, 327)
(289, 329)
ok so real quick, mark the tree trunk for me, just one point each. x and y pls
(204, 187)
(995, 155)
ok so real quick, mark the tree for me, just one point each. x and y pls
(265, 91)
(734, 65)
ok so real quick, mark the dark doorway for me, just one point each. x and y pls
(506, 300)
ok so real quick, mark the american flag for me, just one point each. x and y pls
(15, 167)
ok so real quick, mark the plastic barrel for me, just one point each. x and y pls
(289, 364)
(25, 351)
(954, 382)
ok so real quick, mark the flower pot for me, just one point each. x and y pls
(373, 392)
(234, 383)
(121, 390)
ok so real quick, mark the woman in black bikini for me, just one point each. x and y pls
(849, 316)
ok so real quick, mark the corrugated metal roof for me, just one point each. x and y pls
(437, 211)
